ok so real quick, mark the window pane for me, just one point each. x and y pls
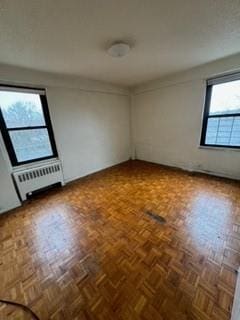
(223, 131)
(225, 98)
(235, 137)
(21, 109)
(31, 144)
(212, 128)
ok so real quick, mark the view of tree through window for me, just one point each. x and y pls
(223, 118)
(25, 125)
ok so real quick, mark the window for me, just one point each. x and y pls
(25, 125)
(221, 121)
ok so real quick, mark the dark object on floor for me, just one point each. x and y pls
(156, 217)
(22, 306)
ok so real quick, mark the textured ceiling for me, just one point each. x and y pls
(71, 36)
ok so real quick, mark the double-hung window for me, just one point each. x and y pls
(221, 121)
(25, 125)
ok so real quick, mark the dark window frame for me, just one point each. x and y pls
(48, 125)
(206, 116)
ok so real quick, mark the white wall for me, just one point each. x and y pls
(92, 129)
(8, 196)
(90, 119)
(167, 121)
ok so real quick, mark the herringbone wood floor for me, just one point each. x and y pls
(88, 250)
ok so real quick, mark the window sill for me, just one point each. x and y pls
(219, 148)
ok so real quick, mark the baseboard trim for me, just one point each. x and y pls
(212, 173)
(5, 210)
(173, 166)
(236, 301)
(71, 180)
(194, 170)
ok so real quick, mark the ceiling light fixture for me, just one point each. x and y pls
(118, 49)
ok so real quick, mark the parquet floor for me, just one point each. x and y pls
(89, 251)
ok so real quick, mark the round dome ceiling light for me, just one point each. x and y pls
(119, 49)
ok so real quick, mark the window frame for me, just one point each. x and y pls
(206, 115)
(48, 125)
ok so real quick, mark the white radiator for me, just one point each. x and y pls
(35, 178)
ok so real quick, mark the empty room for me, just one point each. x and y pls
(119, 160)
